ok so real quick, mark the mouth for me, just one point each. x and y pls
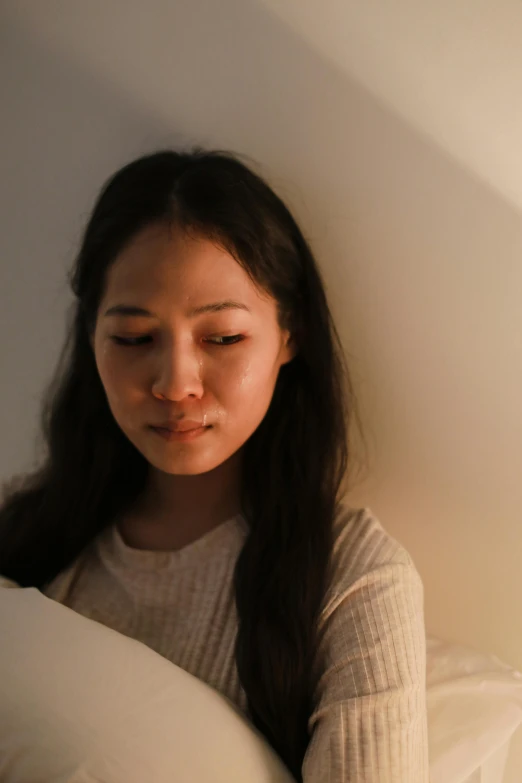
(180, 435)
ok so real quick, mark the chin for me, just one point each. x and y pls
(183, 463)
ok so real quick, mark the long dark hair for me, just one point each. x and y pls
(295, 465)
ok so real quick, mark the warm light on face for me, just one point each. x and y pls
(183, 330)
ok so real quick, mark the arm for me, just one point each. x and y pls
(369, 724)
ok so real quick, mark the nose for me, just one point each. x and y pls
(178, 375)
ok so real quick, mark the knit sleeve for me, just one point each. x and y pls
(369, 723)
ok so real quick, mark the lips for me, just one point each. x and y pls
(182, 426)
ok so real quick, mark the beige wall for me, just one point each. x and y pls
(395, 136)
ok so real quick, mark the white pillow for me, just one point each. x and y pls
(474, 705)
(80, 703)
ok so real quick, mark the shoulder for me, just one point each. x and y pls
(365, 555)
(5, 582)
(60, 587)
(361, 540)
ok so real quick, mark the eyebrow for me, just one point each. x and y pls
(213, 307)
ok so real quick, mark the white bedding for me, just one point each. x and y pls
(80, 703)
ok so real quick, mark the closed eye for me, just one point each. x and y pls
(137, 341)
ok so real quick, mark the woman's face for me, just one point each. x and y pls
(181, 364)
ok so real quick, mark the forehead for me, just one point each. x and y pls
(166, 262)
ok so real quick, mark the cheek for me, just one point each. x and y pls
(249, 386)
(120, 384)
(118, 372)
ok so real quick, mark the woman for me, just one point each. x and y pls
(226, 549)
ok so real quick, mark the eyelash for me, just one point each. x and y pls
(135, 342)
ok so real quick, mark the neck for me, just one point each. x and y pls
(175, 510)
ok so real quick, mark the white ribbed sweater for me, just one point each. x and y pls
(369, 722)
